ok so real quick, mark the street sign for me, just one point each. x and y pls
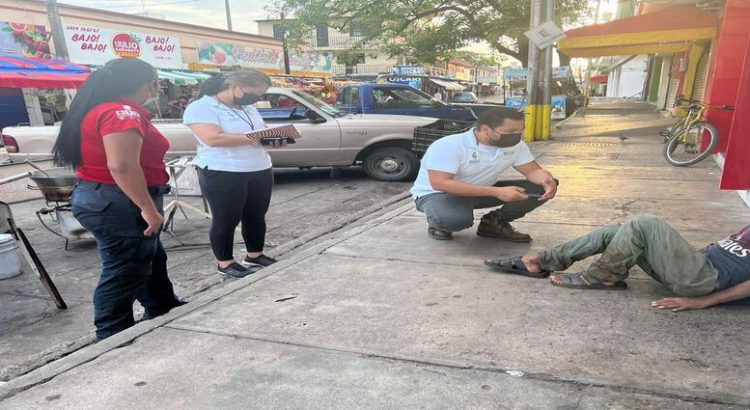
(545, 34)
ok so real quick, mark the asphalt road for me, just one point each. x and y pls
(306, 205)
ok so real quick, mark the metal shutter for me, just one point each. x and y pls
(701, 78)
(674, 84)
(12, 107)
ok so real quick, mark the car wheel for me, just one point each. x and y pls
(391, 164)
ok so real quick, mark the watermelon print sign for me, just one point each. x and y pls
(26, 40)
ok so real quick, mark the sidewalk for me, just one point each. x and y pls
(383, 317)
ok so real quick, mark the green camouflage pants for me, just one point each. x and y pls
(646, 241)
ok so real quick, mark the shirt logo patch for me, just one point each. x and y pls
(127, 112)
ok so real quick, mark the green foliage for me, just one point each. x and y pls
(427, 30)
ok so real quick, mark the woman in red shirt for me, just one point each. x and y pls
(118, 155)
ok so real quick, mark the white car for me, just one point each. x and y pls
(330, 137)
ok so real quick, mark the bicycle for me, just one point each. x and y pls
(691, 140)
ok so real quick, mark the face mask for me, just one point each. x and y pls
(247, 99)
(506, 140)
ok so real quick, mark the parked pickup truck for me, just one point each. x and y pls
(400, 99)
(330, 137)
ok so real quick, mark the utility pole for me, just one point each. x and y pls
(589, 64)
(532, 78)
(229, 15)
(546, 131)
(285, 45)
(58, 36)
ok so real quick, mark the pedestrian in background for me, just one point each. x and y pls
(107, 136)
(234, 170)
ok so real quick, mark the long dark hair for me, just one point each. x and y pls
(117, 79)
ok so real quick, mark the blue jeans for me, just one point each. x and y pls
(134, 266)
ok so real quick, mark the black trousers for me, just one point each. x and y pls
(236, 197)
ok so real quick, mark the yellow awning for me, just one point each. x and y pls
(667, 31)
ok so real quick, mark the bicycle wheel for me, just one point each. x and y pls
(688, 148)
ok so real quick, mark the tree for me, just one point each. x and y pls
(428, 30)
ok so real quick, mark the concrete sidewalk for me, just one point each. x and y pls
(380, 316)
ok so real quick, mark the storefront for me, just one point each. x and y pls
(700, 54)
(32, 90)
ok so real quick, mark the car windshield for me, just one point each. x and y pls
(328, 109)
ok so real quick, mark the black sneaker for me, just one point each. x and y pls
(261, 261)
(148, 315)
(439, 235)
(234, 270)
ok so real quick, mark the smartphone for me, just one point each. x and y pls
(269, 141)
(534, 195)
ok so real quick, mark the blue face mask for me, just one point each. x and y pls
(247, 99)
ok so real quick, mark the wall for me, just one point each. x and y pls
(735, 31)
(627, 80)
(728, 66)
(35, 12)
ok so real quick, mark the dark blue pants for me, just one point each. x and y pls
(134, 266)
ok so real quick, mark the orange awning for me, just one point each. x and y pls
(666, 31)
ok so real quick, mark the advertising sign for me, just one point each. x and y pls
(520, 74)
(558, 105)
(26, 40)
(408, 70)
(236, 55)
(96, 46)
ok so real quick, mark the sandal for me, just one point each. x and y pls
(516, 266)
(583, 280)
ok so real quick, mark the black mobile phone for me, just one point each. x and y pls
(269, 141)
(534, 195)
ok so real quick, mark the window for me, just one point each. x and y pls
(278, 107)
(399, 98)
(321, 36)
(278, 32)
(357, 29)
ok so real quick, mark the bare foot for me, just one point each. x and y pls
(532, 263)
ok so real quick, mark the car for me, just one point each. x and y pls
(381, 144)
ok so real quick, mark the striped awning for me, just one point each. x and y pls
(183, 77)
(667, 31)
(448, 85)
(26, 72)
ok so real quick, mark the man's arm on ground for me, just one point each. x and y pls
(446, 182)
(540, 176)
(737, 292)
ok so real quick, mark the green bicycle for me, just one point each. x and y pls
(691, 140)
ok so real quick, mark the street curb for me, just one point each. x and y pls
(89, 353)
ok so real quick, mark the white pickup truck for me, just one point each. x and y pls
(330, 137)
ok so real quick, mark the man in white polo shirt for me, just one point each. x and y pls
(459, 173)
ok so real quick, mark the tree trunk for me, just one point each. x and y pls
(523, 50)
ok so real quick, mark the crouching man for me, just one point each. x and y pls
(459, 173)
(719, 273)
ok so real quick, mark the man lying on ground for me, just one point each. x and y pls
(719, 273)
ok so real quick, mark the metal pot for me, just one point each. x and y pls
(56, 184)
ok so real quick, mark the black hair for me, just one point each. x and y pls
(247, 77)
(495, 117)
(213, 86)
(118, 78)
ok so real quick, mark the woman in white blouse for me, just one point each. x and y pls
(234, 170)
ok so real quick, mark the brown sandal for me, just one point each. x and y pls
(515, 265)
